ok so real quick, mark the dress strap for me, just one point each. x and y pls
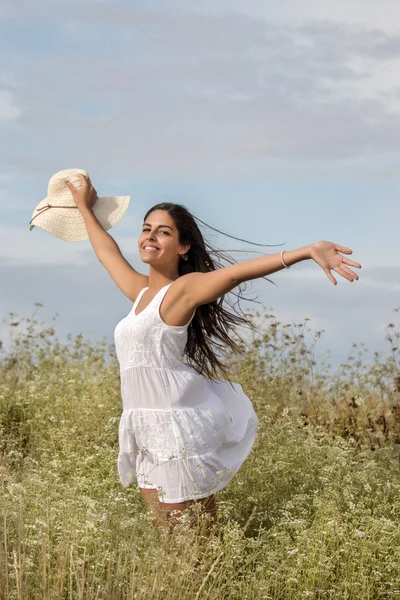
(140, 294)
(160, 295)
(158, 298)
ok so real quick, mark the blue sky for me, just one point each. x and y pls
(276, 126)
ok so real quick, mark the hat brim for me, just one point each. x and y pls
(69, 225)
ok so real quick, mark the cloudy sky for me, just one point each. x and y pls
(274, 122)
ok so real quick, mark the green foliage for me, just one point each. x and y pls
(312, 513)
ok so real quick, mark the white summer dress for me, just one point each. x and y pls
(179, 433)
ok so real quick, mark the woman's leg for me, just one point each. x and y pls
(171, 512)
(154, 506)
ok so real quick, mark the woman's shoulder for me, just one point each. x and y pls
(175, 308)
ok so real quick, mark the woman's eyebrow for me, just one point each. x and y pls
(158, 226)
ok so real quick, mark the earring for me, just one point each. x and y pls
(184, 256)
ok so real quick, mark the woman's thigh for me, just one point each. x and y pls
(164, 511)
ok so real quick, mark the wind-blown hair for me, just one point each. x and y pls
(209, 328)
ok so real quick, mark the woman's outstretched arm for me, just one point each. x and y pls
(201, 288)
(129, 281)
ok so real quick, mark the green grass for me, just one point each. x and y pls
(314, 511)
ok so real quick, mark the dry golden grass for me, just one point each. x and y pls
(313, 512)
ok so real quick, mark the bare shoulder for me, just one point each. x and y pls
(193, 290)
(202, 288)
(176, 307)
(181, 290)
(183, 284)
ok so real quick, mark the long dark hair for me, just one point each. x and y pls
(209, 328)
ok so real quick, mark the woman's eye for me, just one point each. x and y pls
(144, 230)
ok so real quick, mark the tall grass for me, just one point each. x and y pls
(313, 512)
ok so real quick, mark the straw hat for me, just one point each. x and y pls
(54, 213)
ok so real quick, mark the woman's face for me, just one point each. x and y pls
(160, 233)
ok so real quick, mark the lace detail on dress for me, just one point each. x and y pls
(176, 433)
(144, 340)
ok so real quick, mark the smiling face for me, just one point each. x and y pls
(159, 241)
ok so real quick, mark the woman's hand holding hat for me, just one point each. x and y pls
(85, 196)
(70, 195)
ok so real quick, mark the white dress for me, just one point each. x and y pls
(179, 433)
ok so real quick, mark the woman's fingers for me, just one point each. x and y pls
(344, 273)
(330, 276)
(351, 263)
(349, 272)
(84, 195)
(347, 261)
(83, 178)
(343, 249)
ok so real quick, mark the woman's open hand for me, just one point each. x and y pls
(85, 196)
(326, 254)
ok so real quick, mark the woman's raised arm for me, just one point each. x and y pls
(129, 281)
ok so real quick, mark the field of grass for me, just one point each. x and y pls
(313, 513)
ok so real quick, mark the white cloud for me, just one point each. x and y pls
(228, 96)
(9, 107)
(314, 272)
(369, 14)
(21, 247)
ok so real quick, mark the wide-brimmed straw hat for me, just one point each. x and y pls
(59, 215)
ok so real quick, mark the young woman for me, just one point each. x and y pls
(183, 435)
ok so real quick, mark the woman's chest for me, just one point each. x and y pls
(148, 332)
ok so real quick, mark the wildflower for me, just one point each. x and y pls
(359, 533)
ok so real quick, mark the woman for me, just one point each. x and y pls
(182, 434)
